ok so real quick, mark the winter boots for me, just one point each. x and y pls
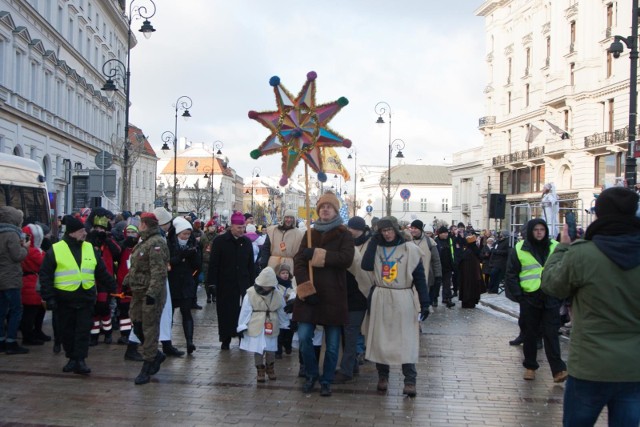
(132, 353)
(261, 373)
(187, 326)
(271, 372)
(144, 376)
(170, 350)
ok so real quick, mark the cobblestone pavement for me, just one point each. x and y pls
(468, 375)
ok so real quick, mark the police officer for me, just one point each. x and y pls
(67, 280)
(147, 280)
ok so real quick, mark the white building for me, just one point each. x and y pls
(470, 188)
(194, 189)
(556, 101)
(52, 109)
(417, 192)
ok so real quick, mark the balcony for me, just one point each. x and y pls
(618, 136)
(557, 148)
(486, 121)
(518, 156)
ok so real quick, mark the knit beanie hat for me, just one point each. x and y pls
(248, 215)
(181, 224)
(357, 223)
(330, 198)
(132, 228)
(267, 278)
(281, 267)
(616, 201)
(72, 224)
(163, 215)
(101, 221)
(250, 228)
(417, 224)
(237, 218)
(291, 213)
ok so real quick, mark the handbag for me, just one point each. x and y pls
(305, 289)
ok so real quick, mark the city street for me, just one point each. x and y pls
(468, 375)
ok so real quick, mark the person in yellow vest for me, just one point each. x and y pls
(539, 312)
(68, 278)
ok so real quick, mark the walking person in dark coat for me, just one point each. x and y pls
(330, 253)
(231, 273)
(68, 284)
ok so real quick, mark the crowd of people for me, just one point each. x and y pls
(365, 287)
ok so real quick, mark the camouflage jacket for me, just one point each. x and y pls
(149, 262)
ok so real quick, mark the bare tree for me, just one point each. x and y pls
(136, 146)
(198, 199)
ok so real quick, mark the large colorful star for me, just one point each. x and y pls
(299, 128)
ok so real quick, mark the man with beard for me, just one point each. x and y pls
(539, 312)
(67, 279)
(231, 272)
(109, 251)
(282, 242)
(430, 256)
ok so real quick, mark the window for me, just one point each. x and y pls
(137, 178)
(527, 61)
(609, 19)
(18, 72)
(423, 205)
(405, 206)
(537, 178)
(610, 104)
(608, 168)
(526, 95)
(47, 91)
(609, 64)
(70, 31)
(445, 205)
(144, 179)
(508, 102)
(34, 82)
(509, 141)
(566, 120)
(572, 36)
(2, 59)
(509, 62)
(505, 182)
(523, 177)
(548, 59)
(572, 68)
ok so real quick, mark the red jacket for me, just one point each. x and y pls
(30, 270)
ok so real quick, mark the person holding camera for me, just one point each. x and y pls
(186, 262)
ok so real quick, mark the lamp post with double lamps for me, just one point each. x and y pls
(353, 154)
(217, 145)
(381, 109)
(114, 68)
(616, 49)
(182, 103)
(255, 173)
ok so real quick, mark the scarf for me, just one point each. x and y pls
(6, 228)
(613, 225)
(328, 226)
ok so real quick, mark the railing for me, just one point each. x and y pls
(486, 121)
(518, 156)
(605, 138)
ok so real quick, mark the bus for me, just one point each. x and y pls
(23, 186)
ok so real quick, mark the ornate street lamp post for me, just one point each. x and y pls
(114, 68)
(381, 109)
(217, 145)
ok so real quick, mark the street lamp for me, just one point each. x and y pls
(616, 49)
(181, 104)
(255, 173)
(355, 178)
(114, 68)
(381, 109)
(217, 145)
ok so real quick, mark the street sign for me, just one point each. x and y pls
(104, 160)
(369, 209)
(158, 203)
(405, 194)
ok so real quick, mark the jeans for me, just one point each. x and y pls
(408, 370)
(332, 343)
(584, 400)
(11, 303)
(351, 335)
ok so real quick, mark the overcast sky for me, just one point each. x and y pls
(424, 58)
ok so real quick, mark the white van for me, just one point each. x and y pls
(23, 186)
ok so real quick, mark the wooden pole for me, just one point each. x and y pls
(308, 210)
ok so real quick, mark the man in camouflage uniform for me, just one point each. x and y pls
(147, 280)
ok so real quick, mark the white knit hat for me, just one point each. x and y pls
(250, 228)
(163, 215)
(181, 224)
(267, 278)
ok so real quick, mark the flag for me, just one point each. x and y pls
(331, 163)
(558, 130)
(532, 133)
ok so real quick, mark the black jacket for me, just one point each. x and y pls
(185, 265)
(48, 269)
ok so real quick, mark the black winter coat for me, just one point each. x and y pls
(185, 266)
(232, 272)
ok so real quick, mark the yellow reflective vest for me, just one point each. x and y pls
(68, 276)
(531, 271)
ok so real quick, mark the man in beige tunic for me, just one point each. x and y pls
(398, 301)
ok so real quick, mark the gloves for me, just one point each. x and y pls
(150, 300)
(288, 308)
(51, 304)
(312, 299)
(307, 253)
(438, 282)
(424, 313)
(241, 334)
